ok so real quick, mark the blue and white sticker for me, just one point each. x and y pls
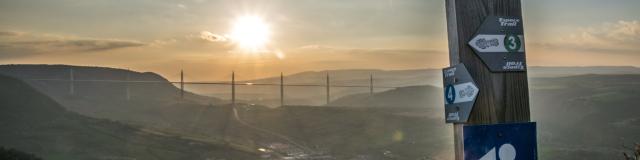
(450, 94)
(461, 93)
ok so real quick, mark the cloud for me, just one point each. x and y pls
(208, 36)
(182, 6)
(619, 37)
(332, 57)
(36, 44)
(331, 49)
(78, 45)
(11, 33)
(203, 42)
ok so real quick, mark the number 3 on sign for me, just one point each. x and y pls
(505, 152)
(512, 43)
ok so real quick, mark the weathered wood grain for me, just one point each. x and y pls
(503, 97)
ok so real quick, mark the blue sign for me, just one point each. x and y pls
(450, 94)
(516, 141)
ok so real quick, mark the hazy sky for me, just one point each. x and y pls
(165, 36)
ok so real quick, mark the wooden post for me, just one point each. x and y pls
(181, 84)
(281, 89)
(328, 90)
(233, 89)
(503, 96)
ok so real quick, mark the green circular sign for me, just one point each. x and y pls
(512, 43)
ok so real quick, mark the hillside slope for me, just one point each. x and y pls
(32, 122)
(587, 116)
(268, 95)
(579, 117)
(356, 132)
(109, 99)
(412, 97)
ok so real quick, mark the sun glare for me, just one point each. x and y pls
(251, 33)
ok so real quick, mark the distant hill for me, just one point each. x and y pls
(268, 95)
(34, 123)
(154, 107)
(411, 97)
(586, 116)
(414, 77)
(538, 72)
(108, 99)
(579, 117)
(41, 77)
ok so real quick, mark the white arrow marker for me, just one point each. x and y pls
(496, 43)
(464, 92)
(491, 155)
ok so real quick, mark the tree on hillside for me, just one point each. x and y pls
(635, 151)
(13, 154)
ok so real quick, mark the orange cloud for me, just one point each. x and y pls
(619, 37)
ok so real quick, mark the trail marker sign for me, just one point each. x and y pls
(500, 43)
(460, 92)
(515, 141)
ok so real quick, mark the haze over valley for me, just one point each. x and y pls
(319, 80)
(405, 122)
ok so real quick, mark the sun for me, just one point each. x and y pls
(250, 33)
